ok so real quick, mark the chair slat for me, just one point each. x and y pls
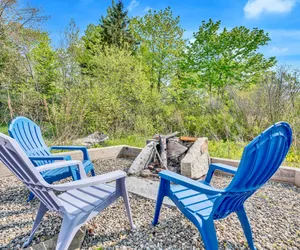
(260, 160)
(29, 136)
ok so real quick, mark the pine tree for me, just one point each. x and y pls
(115, 27)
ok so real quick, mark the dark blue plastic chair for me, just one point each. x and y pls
(202, 203)
(29, 136)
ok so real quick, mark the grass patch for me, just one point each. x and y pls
(221, 149)
(131, 140)
(234, 151)
(3, 129)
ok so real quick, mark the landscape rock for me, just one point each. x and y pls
(175, 149)
(92, 139)
(196, 162)
(146, 173)
(143, 159)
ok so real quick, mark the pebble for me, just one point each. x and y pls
(273, 212)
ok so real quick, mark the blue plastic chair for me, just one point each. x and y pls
(29, 136)
(202, 203)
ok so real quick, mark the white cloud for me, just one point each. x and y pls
(279, 49)
(133, 4)
(284, 43)
(147, 9)
(255, 8)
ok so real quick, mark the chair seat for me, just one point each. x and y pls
(62, 173)
(85, 199)
(195, 202)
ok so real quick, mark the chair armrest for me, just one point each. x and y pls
(91, 181)
(48, 158)
(189, 183)
(63, 164)
(81, 148)
(221, 167)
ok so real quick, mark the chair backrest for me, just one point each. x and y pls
(260, 160)
(18, 163)
(29, 136)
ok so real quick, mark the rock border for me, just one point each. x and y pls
(285, 174)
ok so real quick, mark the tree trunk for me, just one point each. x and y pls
(46, 108)
(11, 111)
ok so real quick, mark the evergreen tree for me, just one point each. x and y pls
(115, 26)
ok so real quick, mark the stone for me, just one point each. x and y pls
(144, 158)
(175, 149)
(51, 243)
(92, 139)
(150, 140)
(287, 172)
(145, 173)
(196, 162)
(297, 177)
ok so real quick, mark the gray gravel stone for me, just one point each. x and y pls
(273, 212)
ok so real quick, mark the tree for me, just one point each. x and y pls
(112, 30)
(92, 45)
(18, 31)
(230, 57)
(161, 44)
(115, 27)
(45, 65)
(68, 53)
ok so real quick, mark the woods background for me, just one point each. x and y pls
(134, 77)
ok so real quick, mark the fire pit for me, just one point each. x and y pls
(184, 155)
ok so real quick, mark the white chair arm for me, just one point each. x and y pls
(91, 181)
(62, 164)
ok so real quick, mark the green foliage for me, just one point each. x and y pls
(119, 99)
(3, 129)
(234, 150)
(219, 86)
(45, 66)
(226, 149)
(114, 27)
(113, 30)
(161, 44)
(67, 56)
(130, 140)
(217, 59)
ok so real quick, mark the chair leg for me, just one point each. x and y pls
(67, 232)
(93, 172)
(39, 216)
(208, 234)
(30, 197)
(163, 185)
(246, 226)
(124, 194)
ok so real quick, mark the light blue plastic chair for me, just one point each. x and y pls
(78, 201)
(29, 136)
(202, 203)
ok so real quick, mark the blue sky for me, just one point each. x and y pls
(280, 18)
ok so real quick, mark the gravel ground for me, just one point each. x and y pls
(273, 212)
